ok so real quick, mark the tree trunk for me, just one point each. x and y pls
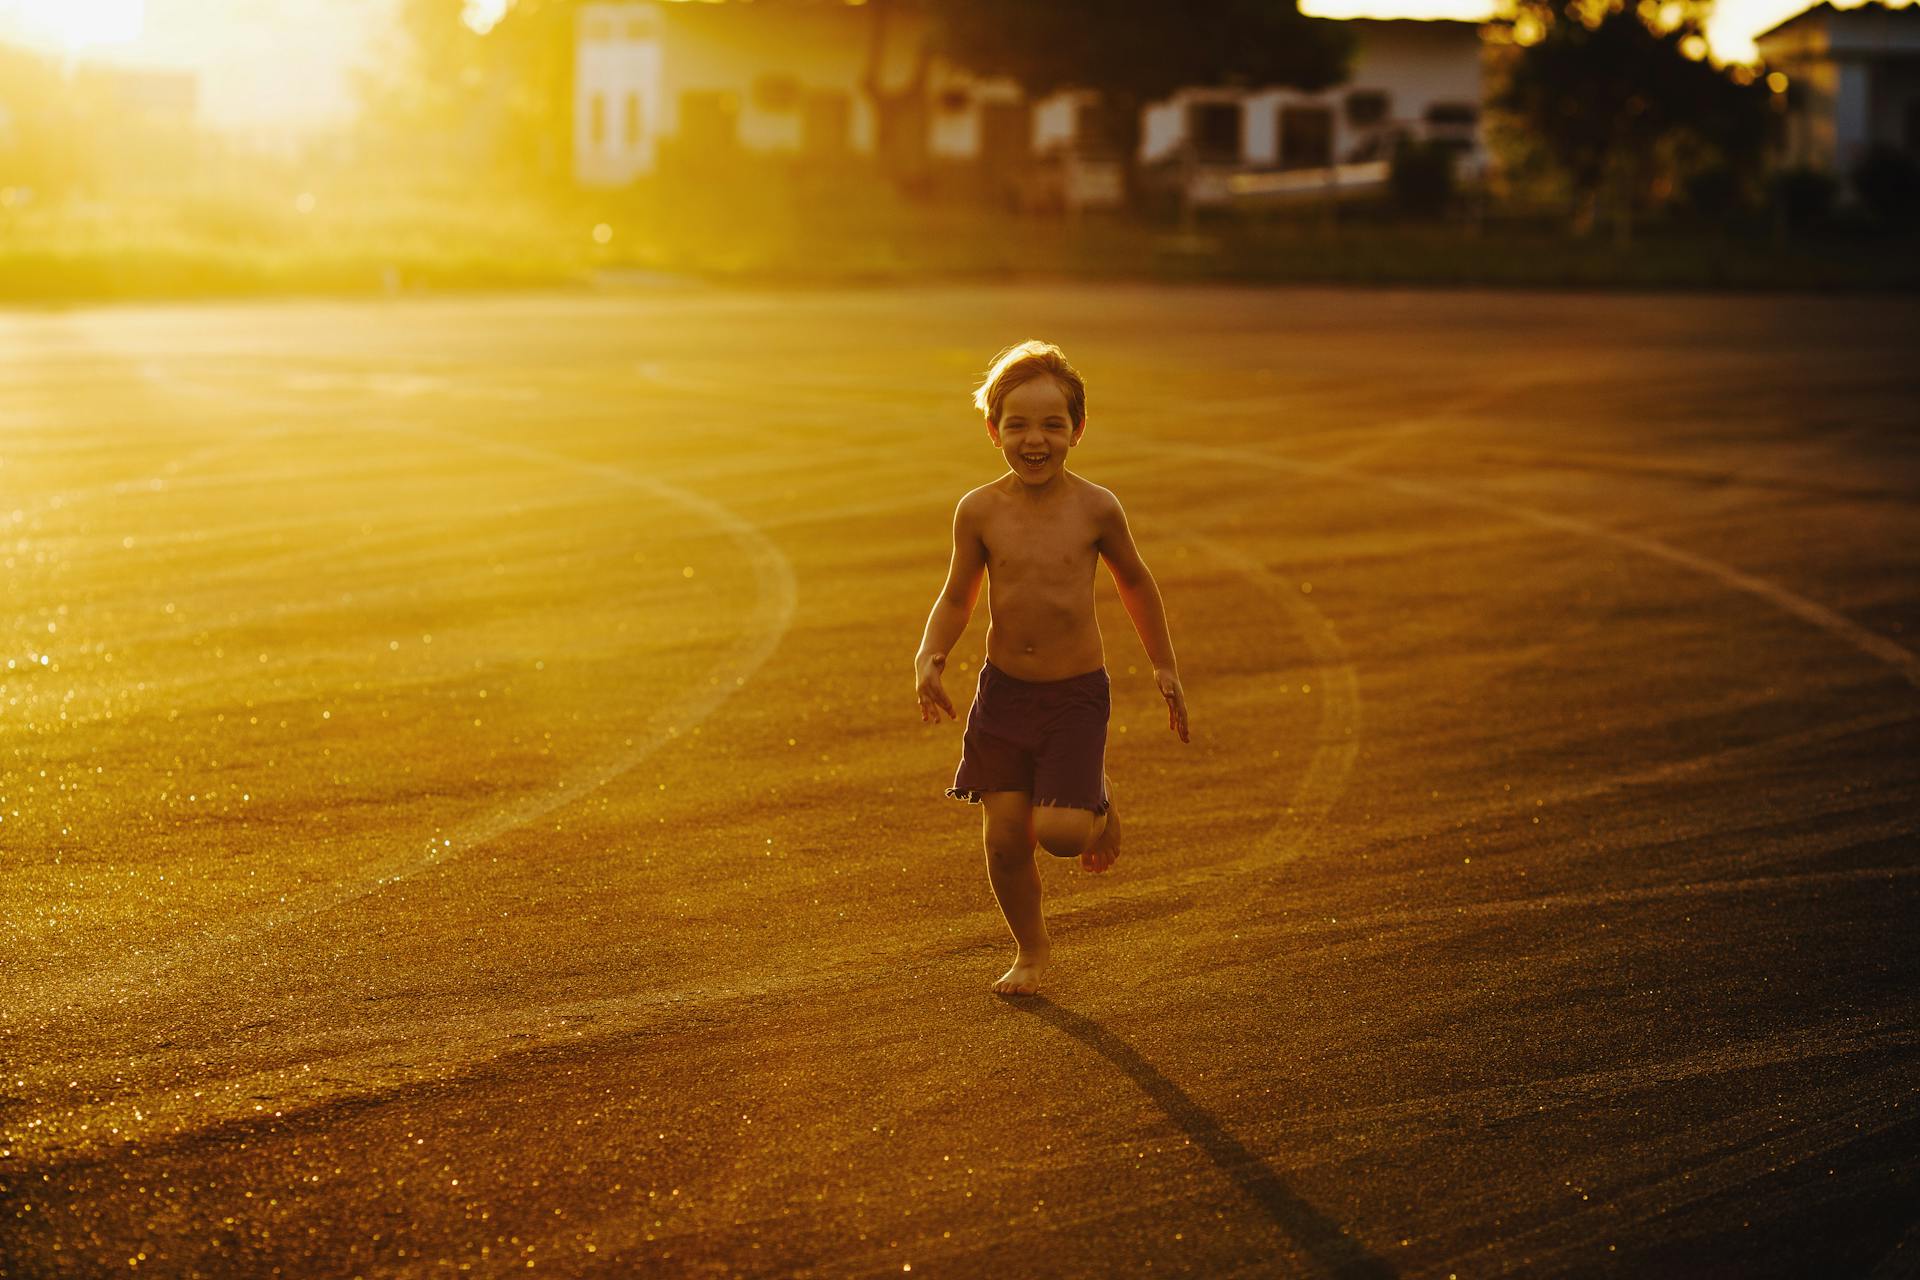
(1626, 187)
(899, 115)
(1586, 202)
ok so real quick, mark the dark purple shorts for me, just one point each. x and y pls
(1047, 738)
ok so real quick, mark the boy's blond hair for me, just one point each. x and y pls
(1024, 361)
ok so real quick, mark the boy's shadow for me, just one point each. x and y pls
(1318, 1236)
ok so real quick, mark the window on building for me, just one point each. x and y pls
(639, 28)
(1306, 137)
(1454, 114)
(953, 101)
(599, 28)
(597, 119)
(1214, 128)
(1366, 108)
(633, 120)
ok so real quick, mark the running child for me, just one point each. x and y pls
(1034, 751)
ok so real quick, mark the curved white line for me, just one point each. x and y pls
(775, 596)
(776, 591)
(1331, 765)
(1876, 646)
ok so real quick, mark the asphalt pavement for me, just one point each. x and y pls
(463, 808)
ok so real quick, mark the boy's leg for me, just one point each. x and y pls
(1016, 883)
(1073, 811)
(1065, 832)
(1103, 848)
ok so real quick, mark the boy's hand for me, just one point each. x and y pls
(1169, 682)
(933, 697)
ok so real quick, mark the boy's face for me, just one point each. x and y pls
(1035, 431)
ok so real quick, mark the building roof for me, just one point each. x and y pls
(1826, 8)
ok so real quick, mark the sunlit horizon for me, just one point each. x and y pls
(263, 66)
(1730, 31)
(288, 65)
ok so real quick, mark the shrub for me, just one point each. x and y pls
(1715, 192)
(1804, 196)
(1888, 180)
(1421, 178)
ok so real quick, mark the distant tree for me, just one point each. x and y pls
(899, 109)
(1136, 51)
(48, 145)
(532, 50)
(1624, 102)
(495, 104)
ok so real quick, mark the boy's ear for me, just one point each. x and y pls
(993, 431)
(1079, 431)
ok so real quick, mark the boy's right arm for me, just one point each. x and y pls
(951, 612)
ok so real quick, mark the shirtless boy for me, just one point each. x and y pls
(1035, 745)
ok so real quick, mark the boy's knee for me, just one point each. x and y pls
(1063, 832)
(1009, 843)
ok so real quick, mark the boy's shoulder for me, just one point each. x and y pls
(975, 502)
(1096, 496)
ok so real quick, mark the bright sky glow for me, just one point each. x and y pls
(276, 66)
(482, 14)
(77, 25)
(1730, 31)
(266, 68)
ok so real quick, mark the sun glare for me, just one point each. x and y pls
(83, 24)
(481, 15)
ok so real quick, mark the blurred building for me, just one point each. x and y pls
(93, 128)
(1412, 79)
(660, 84)
(1853, 82)
(152, 98)
(714, 81)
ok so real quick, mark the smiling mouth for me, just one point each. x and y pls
(1034, 460)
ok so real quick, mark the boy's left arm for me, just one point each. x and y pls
(1140, 594)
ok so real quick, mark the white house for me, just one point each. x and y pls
(787, 79)
(718, 78)
(1853, 81)
(1410, 78)
(1418, 78)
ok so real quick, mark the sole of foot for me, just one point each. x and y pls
(1021, 980)
(1106, 850)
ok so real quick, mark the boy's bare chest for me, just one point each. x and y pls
(1022, 546)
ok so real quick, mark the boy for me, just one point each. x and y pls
(1035, 742)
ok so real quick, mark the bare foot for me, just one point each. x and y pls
(1106, 850)
(1024, 978)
